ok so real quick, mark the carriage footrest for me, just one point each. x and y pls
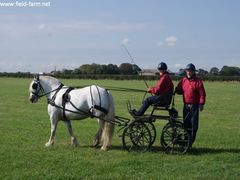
(145, 118)
(160, 117)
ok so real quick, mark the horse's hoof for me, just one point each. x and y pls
(95, 143)
(75, 143)
(104, 148)
(48, 144)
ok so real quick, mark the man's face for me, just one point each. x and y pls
(189, 73)
(161, 72)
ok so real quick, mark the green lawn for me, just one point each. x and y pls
(25, 128)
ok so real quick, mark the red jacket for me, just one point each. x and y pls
(163, 86)
(192, 89)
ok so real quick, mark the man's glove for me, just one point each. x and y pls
(201, 107)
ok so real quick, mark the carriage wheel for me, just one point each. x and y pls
(153, 131)
(175, 139)
(136, 137)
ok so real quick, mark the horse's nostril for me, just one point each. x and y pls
(31, 98)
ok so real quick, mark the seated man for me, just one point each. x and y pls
(161, 91)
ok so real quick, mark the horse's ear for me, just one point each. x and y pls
(36, 76)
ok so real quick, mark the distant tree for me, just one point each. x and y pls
(230, 71)
(91, 69)
(97, 69)
(181, 72)
(126, 68)
(66, 71)
(214, 71)
(136, 69)
(202, 72)
(85, 68)
(111, 69)
(77, 71)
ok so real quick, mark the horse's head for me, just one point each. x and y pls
(43, 86)
(35, 89)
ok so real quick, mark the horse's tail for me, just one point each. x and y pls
(108, 128)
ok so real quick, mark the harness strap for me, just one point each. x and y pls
(65, 99)
(52, 100)
(98, 107)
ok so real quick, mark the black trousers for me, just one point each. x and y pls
(190, 120)
(158, 99)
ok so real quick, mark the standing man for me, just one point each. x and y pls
(192, 89)
(162, 91)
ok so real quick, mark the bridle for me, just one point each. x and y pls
(39, 91)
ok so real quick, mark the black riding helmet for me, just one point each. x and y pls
(190, 67)
(162, 66)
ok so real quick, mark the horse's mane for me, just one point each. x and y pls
(50, 79)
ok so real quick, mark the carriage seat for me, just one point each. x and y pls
(164, 103)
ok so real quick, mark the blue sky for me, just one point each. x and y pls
(67, 34)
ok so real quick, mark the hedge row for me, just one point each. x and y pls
(120, 77)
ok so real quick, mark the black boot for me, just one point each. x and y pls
(143, 108)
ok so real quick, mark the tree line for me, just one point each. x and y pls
(124, 68)
(214, 71)
(132, 71)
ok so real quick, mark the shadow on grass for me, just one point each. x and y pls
(158, 149)
(205, 150)
(192, 151)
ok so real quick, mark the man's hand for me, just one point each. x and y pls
(149, 90)
(201, 107)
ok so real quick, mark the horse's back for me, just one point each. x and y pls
(91, 97)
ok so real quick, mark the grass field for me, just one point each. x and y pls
(25, 128)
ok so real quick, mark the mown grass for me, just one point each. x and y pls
(24, 129)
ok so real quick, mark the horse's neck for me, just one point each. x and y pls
(49, 84)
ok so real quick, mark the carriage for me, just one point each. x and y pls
(138, 133)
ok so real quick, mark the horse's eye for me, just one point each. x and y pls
(34, 86)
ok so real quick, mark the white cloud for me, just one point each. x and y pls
(29, 27)
(171, 40)
(125, 41)
(41, 27)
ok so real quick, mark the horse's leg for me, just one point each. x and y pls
(98, 135)
(107, 135)
(108, 128)
(73, 138)
(54, 123)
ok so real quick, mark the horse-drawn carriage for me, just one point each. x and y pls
(138, 133)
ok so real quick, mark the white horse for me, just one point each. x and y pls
(91, 101)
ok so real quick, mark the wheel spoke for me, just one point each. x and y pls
(175, 138)
(137, 137)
